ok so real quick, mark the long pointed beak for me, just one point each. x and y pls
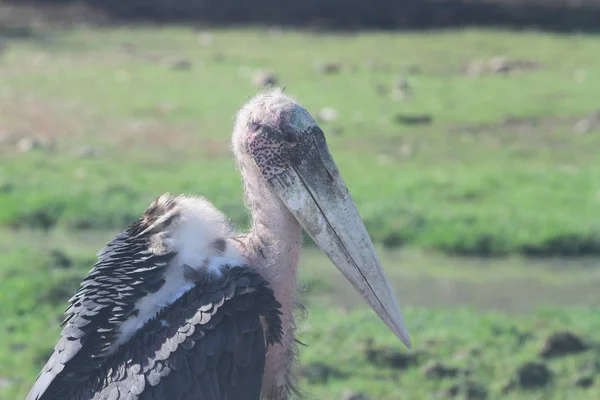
(317, 196)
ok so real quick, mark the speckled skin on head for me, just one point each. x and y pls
(261, 133)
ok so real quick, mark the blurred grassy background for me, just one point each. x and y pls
(472, 156)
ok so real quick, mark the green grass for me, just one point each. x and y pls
(499, 171)
(457, 309)
(466, 184)
(34, 287)
(505, 343)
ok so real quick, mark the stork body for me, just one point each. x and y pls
(180, 307)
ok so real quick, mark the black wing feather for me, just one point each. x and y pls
(209, 344)
(196, 339)
(200, 365)
(125, 272)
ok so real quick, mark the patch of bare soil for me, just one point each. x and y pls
(157, 136)
(35, 125)
(500, 65)
(524, 126)
(527, 135)
(383, 356)
(516, 125)
(30, 124)
(563, 343)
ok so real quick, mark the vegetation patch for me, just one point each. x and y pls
(504, 165)
(94, 125)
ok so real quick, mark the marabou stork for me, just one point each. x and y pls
(179, 307)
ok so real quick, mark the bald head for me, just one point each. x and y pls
(274, 110)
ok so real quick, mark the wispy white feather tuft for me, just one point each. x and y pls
(199, 235)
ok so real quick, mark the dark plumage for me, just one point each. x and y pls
(210, 340)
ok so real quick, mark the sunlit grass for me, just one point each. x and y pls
(500, 171)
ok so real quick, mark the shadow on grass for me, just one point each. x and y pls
(8, 32)
(489, 246)
(482, 244)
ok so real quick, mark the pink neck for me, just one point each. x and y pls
(276, 237)
(273, 248)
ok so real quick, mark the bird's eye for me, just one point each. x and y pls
(254, 126)
(289, 136)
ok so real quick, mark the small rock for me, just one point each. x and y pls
(327, 114)
(413, 119)
(17, 347)
(471, 390)
(411, 69)
(475, 68)
(58, 259)
(475, 391)
(179, 64)
(583, 126)
(381, 90)
(452, 391)
(588, 124)
(166, 107)
(85, 152)
(563, 343)
(352, 68)
(205, 38)
(499, 65)
(320, 373)
(402, 89)
(533, 375)
(354, 396)
(6, 187)
(584, 381)
(218, 57)
(590, 367)
(437, 370)
(401, 83)
(275, 31)
(28, 144)
(5, 137)
(262, 78)
(467, 353)
(129, 47)
(509, 386)
(579, 75)
(328, 68)
(386, 357)
(371, 64)
(4, 382)
(336, 131)
(406, 151)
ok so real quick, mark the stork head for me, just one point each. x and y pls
(280, 138)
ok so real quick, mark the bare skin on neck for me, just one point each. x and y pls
(273, 248)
